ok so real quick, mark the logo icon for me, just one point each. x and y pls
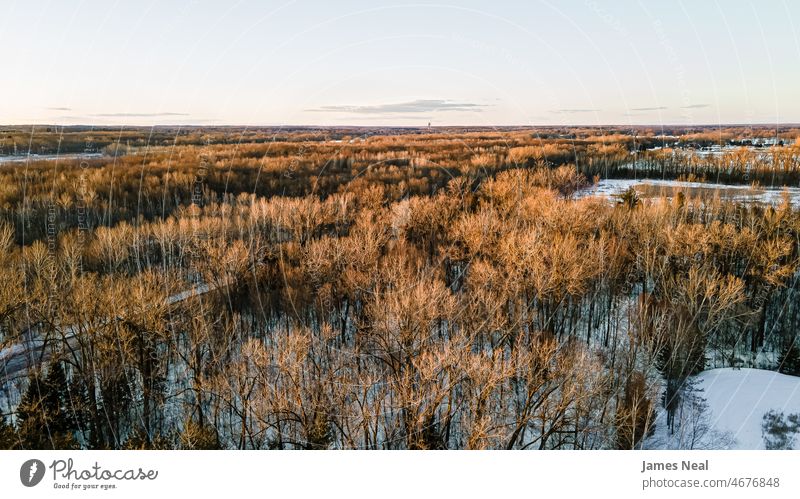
(31, 472)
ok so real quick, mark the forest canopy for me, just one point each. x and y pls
(383, 288)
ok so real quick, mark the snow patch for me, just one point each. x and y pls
(738, 399)
(609, 188)
(724, 409)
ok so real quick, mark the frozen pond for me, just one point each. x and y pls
(649, 188)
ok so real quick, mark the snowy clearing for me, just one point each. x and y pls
(724, 409)
(738, 399)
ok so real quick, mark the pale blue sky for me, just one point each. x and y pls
(400, 63)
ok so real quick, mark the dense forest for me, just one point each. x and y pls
(411, 288)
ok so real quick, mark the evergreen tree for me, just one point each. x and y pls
(199, 437)
(45, 418)
(8, 437)
(629, 198)
(790, 359)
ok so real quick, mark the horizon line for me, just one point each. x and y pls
(313, 126)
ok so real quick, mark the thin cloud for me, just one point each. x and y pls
(59, 108)
(694, 106)
(399, 117)
(415, 106)
(659, 108)
(73, 118)
(137, 115)
(574, 111)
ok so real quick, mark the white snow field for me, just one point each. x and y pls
(738, 399)
(725, 410)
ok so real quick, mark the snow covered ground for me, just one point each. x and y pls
(727, 410)
(738, 399)
(609, 188)
(48, 157)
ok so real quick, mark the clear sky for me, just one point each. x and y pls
(400, 63)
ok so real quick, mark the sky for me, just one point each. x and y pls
(486, 63)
